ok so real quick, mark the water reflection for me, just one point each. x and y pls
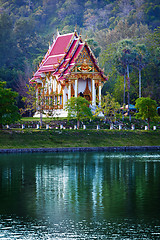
(80, 195)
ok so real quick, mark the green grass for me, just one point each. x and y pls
(29, 138)
(37, 119)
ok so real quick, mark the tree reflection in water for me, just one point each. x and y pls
(93, 191)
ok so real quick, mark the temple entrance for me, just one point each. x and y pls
(87, 93)
(83, 87)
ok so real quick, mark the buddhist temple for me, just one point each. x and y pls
(69, 69)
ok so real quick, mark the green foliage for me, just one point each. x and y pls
(29, 100)
(8, 110)
(147, 109)
(122, 30)
(145, 60)
(27, 26)
(142, 57)
(153, 13)
(94, 46)
(109, 107)
(126, 53)
(78, 107)
(8, 48)
(38, 103)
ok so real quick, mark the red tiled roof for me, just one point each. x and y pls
(62, 55)
(80, 47)
(61, 44)
(55, 53)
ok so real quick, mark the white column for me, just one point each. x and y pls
(63, 99)
(54, 85)
(37, 99)
(100, 94)
(46, 85)
(50, 85)
(93, 93)
(76, 88)
(37, 93)
(69, 90)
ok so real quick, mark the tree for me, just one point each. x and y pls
(6, 40)
(94, 46)
(28, 98)
(36, 100)
(8, 110)
(141, 61)
(147, 109)
(122, 70)
(125, 57)
(122, 30)
(78, 107)
(109, 107)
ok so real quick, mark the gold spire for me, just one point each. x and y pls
(75, 27)
(57, 32)
(80, 34)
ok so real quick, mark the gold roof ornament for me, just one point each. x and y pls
(57, 32)
(86, 38)
(84, 67)
(75, 28)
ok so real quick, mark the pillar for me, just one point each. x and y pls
(100, 94)
(93, 93)
(50, 84)
(69, 90)
(37, 98)
(76, 88)
(46, 85)
(64, 99)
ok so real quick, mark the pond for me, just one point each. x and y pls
(92, 195)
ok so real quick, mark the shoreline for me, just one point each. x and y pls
(80, 149)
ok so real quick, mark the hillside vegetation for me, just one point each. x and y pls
(27, 27)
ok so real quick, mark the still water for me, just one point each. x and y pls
(93, 195)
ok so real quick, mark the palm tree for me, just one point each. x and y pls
(126, 56)
(122, 70)
(141, 61)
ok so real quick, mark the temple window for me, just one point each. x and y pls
(51, 101)
(55, 100)
(47, 102)
(60, 99)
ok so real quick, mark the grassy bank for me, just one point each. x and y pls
(30, 138)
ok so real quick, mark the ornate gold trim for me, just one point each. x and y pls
(84, 67)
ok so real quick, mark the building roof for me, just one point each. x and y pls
(62, 55)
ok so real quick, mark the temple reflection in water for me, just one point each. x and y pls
(94, 195)
(95, 183)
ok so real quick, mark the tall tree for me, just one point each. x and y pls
(126, 56)
(109, 107)
(78, 107)
(8, 109)
(122, 71)
(147, 109)
(38, 101)
(141, 61)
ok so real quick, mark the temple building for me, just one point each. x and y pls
(69, 69)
